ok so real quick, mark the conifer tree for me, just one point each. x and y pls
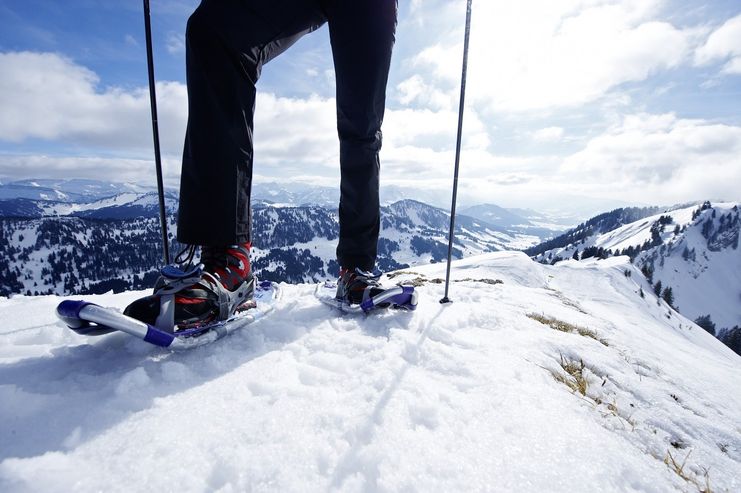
(668, 296)
(706, 323)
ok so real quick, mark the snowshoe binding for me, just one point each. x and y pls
(189, 296)
(359, 290)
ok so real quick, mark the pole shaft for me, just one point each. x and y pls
(156, 134)
(451, 233)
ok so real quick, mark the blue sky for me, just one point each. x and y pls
(569, 102)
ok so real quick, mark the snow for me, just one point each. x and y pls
(706, 282)
(708, 285)
(457, 397)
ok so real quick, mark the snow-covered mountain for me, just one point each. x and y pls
(536, 378)
(293, 195)
(557, 248)
(101, 200)
(690, 254)
(127, 205)
(114, 243)
(523, 220)
(72, 190)
(297, 194)
(556, 221)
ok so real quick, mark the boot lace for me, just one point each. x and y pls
(185, 257)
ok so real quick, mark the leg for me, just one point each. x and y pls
(228, 41)
(362, 35)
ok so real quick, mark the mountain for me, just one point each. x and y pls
(114, 243)
(72, 190)
(702, 264)
(101, 200)
(298, 194)
(298, 243)
(536, 378)
(556, 248)
(523, 220)
(493, 214)
(125, 205)
(690, 254)
(556, 221)
(293, 195)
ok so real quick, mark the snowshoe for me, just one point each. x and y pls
(360, 291)
(212, 291)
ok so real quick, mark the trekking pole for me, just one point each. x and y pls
(156, 134)
(457, 151)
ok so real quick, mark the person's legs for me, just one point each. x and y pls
(362, 34)
(228, 41)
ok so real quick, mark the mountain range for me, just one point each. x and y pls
(68, 245)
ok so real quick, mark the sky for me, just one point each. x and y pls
(599, 102)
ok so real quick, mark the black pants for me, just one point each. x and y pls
(228, 41)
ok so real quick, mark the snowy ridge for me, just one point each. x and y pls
(125, 205)
(471, 396)
(702, 264)
(72, 190)
(692, 250)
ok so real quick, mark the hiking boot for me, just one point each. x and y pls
(356, 286)
(230, 265)
(227, 284)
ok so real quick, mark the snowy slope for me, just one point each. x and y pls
(461, 397)
(702, 265)
(693, 250)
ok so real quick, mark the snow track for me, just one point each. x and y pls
(459, 397)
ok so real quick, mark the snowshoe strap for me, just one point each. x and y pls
(166, 318)
(228, 301)
(224, 300)
(171, 281)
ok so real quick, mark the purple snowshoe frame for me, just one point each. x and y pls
(398, 297)
(90, 319)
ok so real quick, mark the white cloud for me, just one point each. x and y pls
(433, 129)
(175, 43)
(733, 66)
(416, 90)
(548, 134)
(292, 132)
(49, 97)
(644, 158)
(539, 54)
(15, 167)
(723, 44)
(661, 159)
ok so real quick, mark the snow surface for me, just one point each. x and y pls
(458, 397)
(707, 284)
